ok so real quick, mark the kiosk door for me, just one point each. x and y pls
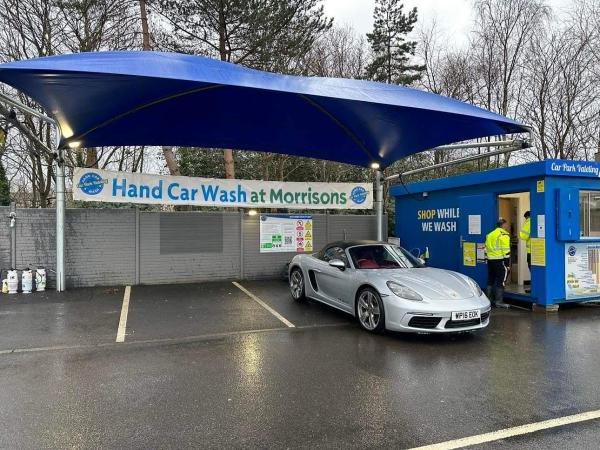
(477, 218)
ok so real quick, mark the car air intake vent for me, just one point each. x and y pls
(424, 322)
(485, 316)
(313, 280)
(462, 323)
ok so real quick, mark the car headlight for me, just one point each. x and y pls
(475, 286)
(404, 292)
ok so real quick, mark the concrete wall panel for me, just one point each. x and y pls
(101, 245)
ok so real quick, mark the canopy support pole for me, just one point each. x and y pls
(60, 219)
(60, 189)
(379, 204)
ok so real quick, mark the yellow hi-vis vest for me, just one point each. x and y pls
(525, 233)
(497, 244)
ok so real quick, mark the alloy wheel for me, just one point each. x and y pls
(369, 313)
(296, 284)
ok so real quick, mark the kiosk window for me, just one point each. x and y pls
(589, 213)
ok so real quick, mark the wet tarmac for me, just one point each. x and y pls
(206, 366)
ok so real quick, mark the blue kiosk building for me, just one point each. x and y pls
(448, 218)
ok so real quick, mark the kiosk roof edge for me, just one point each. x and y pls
(549, 167)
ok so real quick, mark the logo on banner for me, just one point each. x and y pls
(572, 250)
(91, 183)
(358, 195)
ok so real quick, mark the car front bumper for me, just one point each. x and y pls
(414, 317)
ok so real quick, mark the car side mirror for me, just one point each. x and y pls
(338, 264)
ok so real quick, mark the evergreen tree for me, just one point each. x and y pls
(266, 34)
(200, 162)
(391, 49)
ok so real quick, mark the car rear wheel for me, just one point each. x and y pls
(297, 284)
(369, 310)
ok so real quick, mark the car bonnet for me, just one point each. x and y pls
(431, 283)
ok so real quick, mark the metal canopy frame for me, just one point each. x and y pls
(171, 76)
(60, 192)
(507, 146)
(60, 189)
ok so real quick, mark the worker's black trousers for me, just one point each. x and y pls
(497, 272)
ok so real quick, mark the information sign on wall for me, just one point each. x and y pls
(475, 224)
(538, 252)
(582, 270)
(469, 255)
(540, 186)
(286, 233)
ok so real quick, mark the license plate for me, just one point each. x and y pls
(466, 315)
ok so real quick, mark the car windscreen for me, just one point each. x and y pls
(402, 253)
(379, 257)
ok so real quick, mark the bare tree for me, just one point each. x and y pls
(28, 29)
(526, 63)
(563, 90)
(339, 52)
(145, 27)
(167, 151)
(503, 30)
(34, 28)
(488, 73)
(450, 72)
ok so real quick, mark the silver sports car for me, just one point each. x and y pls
(386, 287)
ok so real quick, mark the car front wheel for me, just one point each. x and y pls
(297, 284)
(369, 310)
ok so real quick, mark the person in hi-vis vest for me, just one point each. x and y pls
(497, 253)
(524, 235)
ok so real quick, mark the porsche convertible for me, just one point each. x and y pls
(387, 288)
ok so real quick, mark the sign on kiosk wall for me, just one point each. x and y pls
(582, 269)
(124, 187)
(286, 233)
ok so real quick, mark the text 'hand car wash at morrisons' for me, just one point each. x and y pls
(212, 193)
(107, 186)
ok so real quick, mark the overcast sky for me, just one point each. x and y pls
(454, 17)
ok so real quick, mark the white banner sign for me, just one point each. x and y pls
(123, 187)
(286, 233)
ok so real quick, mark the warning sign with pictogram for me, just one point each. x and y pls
(285, 233)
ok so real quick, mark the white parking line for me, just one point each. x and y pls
(124, 312)
(264, 305)
(176, 340)
(510, 432)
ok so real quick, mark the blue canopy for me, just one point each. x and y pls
(154, 98)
